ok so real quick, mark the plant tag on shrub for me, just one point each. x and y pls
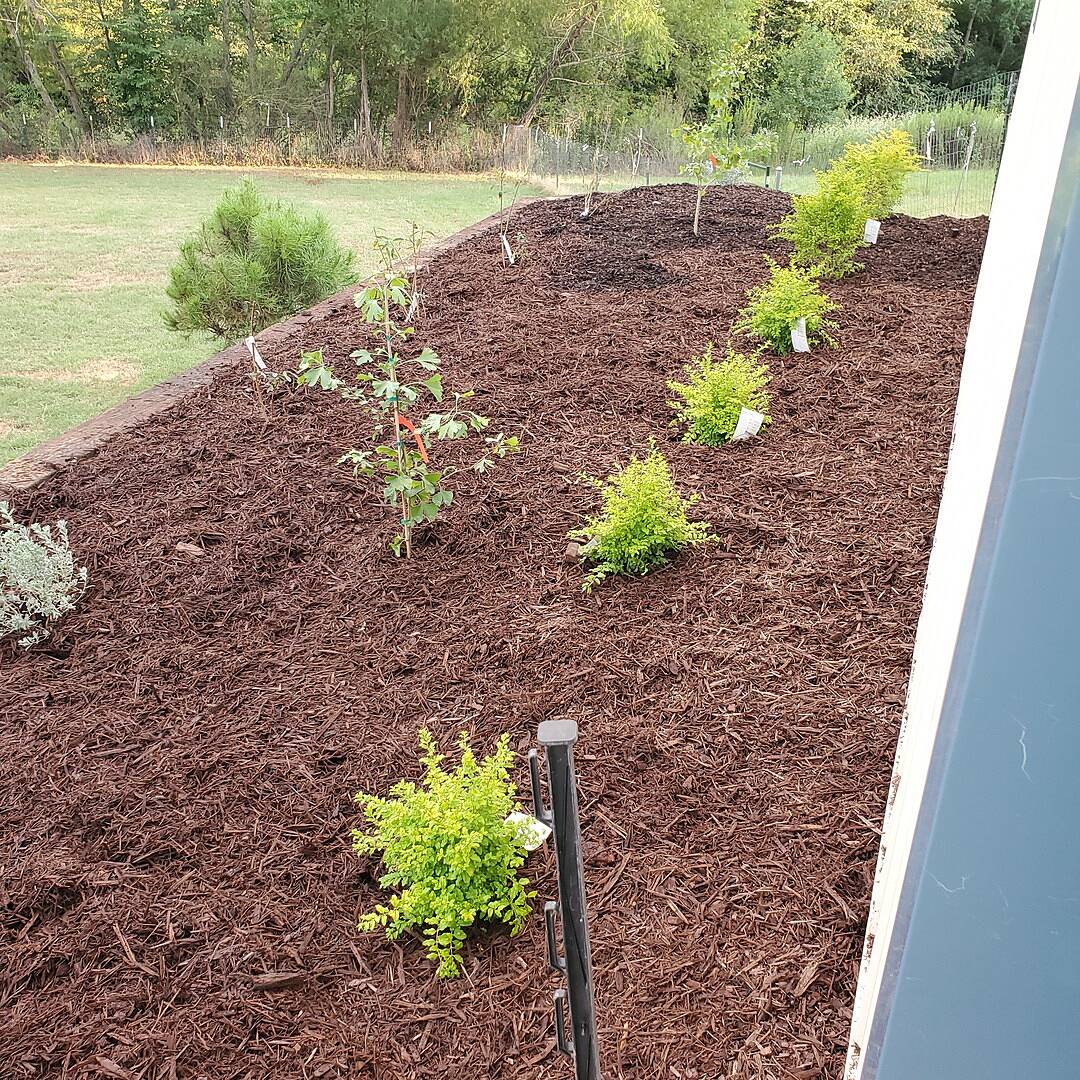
(532, 831)
(750, 422)
(509, 251)
(798, 336)
(870, 233)
(256, 356)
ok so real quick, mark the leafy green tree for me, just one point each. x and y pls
(993, 36)
(253, 262)
(810, 87)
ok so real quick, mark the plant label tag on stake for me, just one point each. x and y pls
(870, 233)
(798, 336)
(532, 832)
(508, 249)
(256, 356)
(749, 423)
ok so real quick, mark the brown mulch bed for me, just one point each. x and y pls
(178, 896)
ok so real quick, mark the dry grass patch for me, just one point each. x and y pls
(102, 369)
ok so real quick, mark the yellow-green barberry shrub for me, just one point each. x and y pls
(878, 168)
(826, 228)
(448, 849)
(715, 393)
(790, 294)
(642, 523)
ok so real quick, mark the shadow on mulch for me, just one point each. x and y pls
(178, 893)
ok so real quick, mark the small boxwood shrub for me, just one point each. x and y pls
(643, 521)
(715, 393)
(826, 228)
(877, 168)
(447, 847)
(253, 261)
(790, 294)
(39, 581)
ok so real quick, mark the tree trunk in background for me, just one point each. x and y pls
(226, 59)
(249, 27)
(561, 52)
(330, 91)
(27, 59)
(107, 39)
(365, 99)
(403, 110)
(296, 55)
(962, 53)
(57, 61)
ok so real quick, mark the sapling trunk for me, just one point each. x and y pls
(697, 207)
(391, 357)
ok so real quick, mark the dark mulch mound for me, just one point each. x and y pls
(178, 765)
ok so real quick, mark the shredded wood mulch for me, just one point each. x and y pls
(178, 896)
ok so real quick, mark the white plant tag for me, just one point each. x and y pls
(508, 249)
(749, 423)
(798, 336)
(532, 831)
(256, 356)
(870, 233)
(413, 305)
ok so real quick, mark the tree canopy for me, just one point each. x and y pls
(189, 66)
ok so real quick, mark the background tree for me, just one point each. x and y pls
(810, 87)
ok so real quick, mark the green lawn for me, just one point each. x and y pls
(939, 191)
(84, 254)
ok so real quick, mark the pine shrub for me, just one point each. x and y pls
(448, 849)
(715, 393)
(39, 581)
(253, 261)
(643, 521)
(826, 228)
(790, 294)
(877, 168)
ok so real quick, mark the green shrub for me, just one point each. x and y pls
(449, 850)
(826, 228)
(643, 521)
(39, 581)
(877, 168)
(715, 393)
(790, 294)
(253, 262)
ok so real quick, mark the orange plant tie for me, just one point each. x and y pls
(416, 435)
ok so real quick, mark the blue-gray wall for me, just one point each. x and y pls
(983, 979)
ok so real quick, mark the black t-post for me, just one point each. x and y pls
(558, 738)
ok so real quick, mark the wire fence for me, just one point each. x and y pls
(960, 134)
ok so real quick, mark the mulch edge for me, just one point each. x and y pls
(48, 458)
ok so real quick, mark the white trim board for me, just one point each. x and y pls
(1025, 188)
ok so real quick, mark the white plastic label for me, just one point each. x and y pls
(533, 832)
(749, 424)
(256, 356)
(509, 251)
(870, 233)
(798, 336)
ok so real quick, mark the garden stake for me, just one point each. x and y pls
(558, 738)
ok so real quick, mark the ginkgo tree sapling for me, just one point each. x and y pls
(711, 148)
(390, 384)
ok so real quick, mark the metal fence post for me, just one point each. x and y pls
(558, 738)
